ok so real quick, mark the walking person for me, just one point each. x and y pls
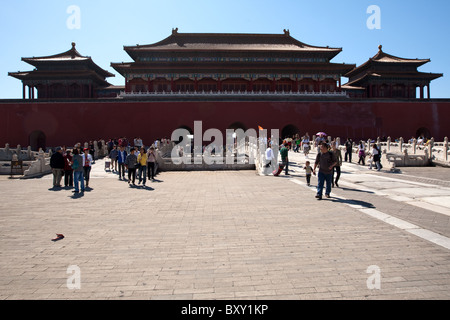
(142, 161)
(78, 171)
(376, 157)
(113, 155)
(308, 170)
(131, 164)
(151, 163)
(92, 151)
(121, 157)
(306, 146)
(284, 157)
(57, 165)
(68, 171)
(326, 160)
(269, 156)
(87, 165)
(362, 153)
(348, 150)
(337, 167)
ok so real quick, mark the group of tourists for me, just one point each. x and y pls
(138, 160)
(75, 164)
(328, 159)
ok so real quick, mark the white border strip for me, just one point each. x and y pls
(396, 222)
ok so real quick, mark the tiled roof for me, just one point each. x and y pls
(230, 42)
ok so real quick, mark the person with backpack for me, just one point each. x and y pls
(131, 162)
(337, 167)
(87, 165)
(376, 157)
(326, 160)
(362, 153)
(78, 171)
(121, 157)
(348, 150)
(57, 165)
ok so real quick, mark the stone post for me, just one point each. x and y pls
(446, 149)
(41, 159)
(29, 153)
(430, 148)
(19, 152)
(400, 144)
(96, 154)
(414, 145)
(389, 144)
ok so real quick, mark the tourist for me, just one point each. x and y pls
(297, 143)
(68, 171)
(326, 160)
(87, 165)
(284, 157)
(151, 163)
(138, 142)
(309, 171)
(92, 151)
(362, 153)
(113, 156)
(142, 161)
(57, 165)
(318, 142)
(131, 164)
(376, 157)
(348, 150)
(306, 146)
(337, 167)
(269, 156)
(121, 157)
(110, 145)
(78, 171)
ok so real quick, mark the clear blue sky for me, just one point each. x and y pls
(411, 29)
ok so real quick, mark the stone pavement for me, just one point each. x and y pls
(228, 235)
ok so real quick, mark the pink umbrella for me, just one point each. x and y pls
(321, 134)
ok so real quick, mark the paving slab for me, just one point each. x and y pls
(215, 235)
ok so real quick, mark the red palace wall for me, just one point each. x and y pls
(65, 123)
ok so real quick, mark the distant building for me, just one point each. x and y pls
(67, 75)
(227, 81)
(388, 76)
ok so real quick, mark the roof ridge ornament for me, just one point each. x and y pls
(73, 50)
(380, 47)
(286, 32)
(174, 30)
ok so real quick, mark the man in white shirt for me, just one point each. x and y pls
(269, 157)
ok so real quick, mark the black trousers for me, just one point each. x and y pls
(87, 173)
(151, 170)
(68, 178)
(349, 155)
(121, 170)
(336, 169)
(131, 174)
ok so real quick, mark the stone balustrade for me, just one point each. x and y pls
(142, 94)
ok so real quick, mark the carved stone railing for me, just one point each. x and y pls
(142, 94)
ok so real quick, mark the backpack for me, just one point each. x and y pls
(75, 164)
